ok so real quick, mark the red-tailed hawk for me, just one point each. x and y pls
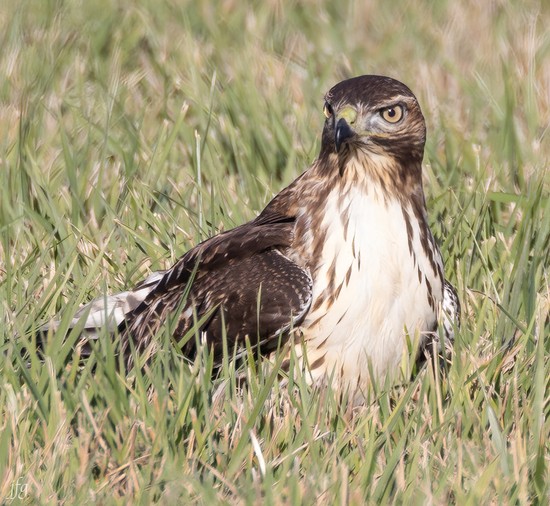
(341, 263)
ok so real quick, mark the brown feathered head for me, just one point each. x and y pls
(377, 115)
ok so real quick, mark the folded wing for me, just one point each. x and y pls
(237, 285)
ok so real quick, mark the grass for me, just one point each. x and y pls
(131, 130)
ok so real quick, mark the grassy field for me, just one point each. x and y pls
(131, 130)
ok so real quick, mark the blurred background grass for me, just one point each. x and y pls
(131, 130)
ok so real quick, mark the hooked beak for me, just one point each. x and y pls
(342, 133)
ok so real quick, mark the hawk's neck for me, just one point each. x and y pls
(371, 184)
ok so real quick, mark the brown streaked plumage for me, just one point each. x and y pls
(342, 258)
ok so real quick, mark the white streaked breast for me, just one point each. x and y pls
(380, 298)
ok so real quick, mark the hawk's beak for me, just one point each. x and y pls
(342, 133)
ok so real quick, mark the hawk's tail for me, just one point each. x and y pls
(107, 312)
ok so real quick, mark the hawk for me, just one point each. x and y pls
(341, 264)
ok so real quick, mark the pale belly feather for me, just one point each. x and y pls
(383, 294)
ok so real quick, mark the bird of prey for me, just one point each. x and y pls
(341, 264)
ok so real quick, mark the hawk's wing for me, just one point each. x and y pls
(237, 284)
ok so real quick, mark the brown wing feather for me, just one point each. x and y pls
(238, 282)
(259, 296)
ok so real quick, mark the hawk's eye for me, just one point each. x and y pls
(392, 114)
(327, 110)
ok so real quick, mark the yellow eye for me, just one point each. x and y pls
(327, 110)
(392, 114)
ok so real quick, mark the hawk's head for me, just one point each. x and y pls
(374, 114)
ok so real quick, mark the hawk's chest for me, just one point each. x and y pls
(372, 280)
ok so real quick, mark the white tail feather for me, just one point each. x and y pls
(109, 311)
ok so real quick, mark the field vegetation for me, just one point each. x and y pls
(131, 130)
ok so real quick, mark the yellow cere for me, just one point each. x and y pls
(349, 114)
